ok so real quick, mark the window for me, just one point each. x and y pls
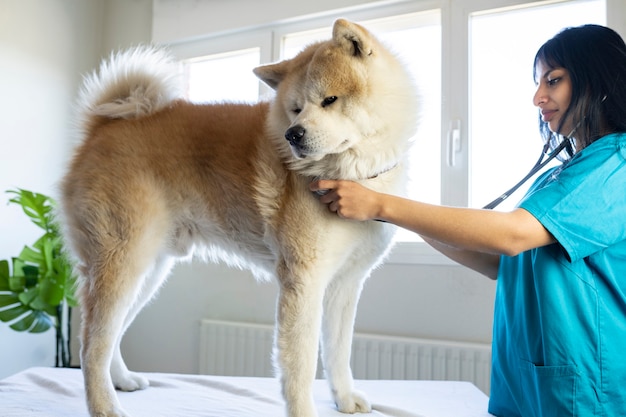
(472, 60)
(230, 76)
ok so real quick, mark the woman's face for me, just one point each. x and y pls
(553, 96)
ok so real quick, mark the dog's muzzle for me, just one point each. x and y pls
(294, 135)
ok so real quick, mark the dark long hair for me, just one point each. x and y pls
(595, 58)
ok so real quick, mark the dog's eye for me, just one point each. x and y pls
(329, 100)
(296, 110)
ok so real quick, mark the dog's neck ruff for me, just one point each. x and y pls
(371, 177)
(382, 172)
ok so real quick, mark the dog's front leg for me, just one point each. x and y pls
(340, 304)
(299, 313)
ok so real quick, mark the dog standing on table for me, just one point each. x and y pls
(157, 178)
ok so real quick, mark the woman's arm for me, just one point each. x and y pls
(484, 263)
(464, 229)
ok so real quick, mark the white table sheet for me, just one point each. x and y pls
(58, 392)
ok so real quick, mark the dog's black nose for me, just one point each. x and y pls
(295, 134)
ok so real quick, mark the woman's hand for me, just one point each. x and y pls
(349, 199)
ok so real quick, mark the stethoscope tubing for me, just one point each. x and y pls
(538, 166)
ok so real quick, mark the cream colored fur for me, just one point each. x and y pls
(158, 179)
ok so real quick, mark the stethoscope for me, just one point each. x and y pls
(565, 144)
(538, 166)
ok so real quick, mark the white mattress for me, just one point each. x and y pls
(58, 392)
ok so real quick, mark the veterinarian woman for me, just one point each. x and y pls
(559, 338)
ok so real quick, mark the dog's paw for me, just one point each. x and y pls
(353, 402)
(130, 381)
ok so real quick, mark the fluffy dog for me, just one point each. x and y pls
(157, 179)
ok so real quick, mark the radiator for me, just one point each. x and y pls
(244, 349)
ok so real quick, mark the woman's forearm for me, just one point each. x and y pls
(477, 230)
(483, 263)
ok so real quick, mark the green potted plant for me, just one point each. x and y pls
(37, 287)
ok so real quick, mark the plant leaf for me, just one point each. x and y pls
(29, 254)
(8, 300)
(71, 299)
(39, 304)
(42, 323)
(50, 292)
(64, 269)
(13, 312)
(36, 282)
(4, 276)
(17, 283)
(27, 297)
(36, 322)
(47, 250)
(31, 273)
(37, 206)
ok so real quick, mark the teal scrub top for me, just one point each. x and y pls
(559, 335)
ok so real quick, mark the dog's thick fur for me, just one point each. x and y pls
(157, 178)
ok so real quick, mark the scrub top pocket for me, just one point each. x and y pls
(548, 391)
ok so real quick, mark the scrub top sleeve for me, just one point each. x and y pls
(584, 206)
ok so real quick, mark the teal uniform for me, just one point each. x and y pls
(559, 337)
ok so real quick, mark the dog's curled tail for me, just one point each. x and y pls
(130, 84)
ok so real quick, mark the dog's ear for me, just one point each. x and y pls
(271, 74)
(355, 39)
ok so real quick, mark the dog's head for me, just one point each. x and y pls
(345, 97)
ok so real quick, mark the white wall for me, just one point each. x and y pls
(175, 20)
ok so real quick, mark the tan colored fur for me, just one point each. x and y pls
(175, 179)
